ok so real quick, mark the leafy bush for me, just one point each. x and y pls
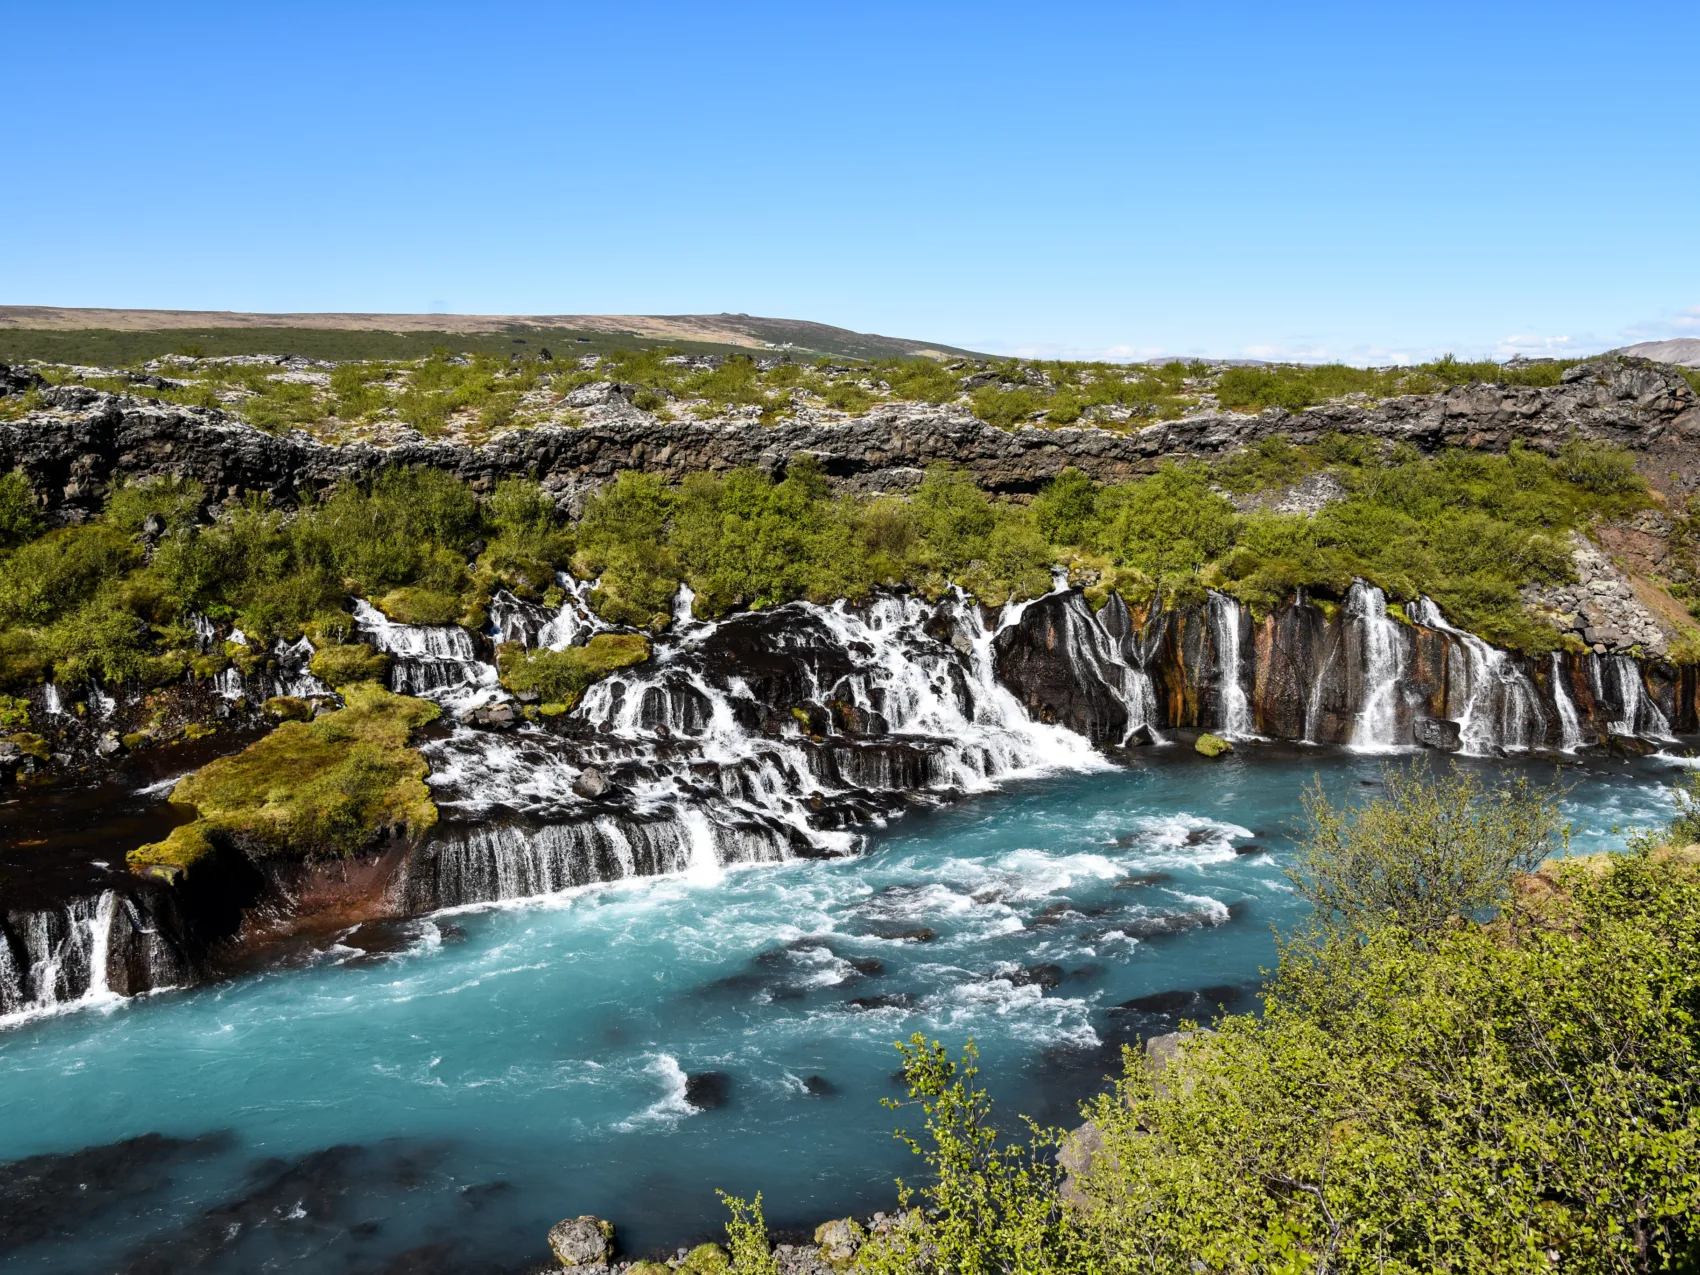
(20, 517)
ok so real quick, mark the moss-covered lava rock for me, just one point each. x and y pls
(344, 665)
(324, 787)
(560, 677)
(1212, 745)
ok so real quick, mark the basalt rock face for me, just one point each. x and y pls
(1350, 674)
(83, 440)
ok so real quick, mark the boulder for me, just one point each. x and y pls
(707, 1090)
(591, 783)
(839, 1239)
(704, 1259)
(585, 1241)
(1439, 733)
(1209, 745)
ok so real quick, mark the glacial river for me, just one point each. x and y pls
(436, 1101)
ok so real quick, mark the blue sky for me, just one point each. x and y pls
(1367, 182)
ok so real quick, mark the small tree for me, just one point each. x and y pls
(1432, 849)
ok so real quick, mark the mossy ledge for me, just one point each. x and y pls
(309, 789)
(560, 678)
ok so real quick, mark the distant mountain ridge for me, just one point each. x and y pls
(737, 330)
(1684, 351)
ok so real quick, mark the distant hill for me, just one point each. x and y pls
(1684, 352)
(66, 334)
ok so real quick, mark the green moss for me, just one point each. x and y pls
(290, 709)
(186, 845)
(1212, 745)
(32, 745)
(345, 665)
(208, 667)
(325, 787)
(420, 606)
(135, 740)
(559, 678)
(14, 713)
(197, 730)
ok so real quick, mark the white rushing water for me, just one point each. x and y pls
(1637, 713)
(1488, 694)
(739, 775)
(65, 954)
(1569, 721)
(436, 661)
(1375, 726)
(1232, 704)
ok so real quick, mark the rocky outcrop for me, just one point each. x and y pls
(1601, 607)
(83, 439)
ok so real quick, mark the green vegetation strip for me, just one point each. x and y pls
(103, 601)
(328, 786)
(473, 386)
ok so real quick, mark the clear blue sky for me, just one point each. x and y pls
(1308, 180)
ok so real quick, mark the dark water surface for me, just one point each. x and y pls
(433, 1096)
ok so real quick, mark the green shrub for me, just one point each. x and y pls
(20, 516)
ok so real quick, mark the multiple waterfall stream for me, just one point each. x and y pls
(795, 732)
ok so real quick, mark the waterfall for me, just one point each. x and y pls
(1375, 725)
(1638, 714)
(206, 632)
(440, 660)
(1569, 722)
(64, 954)
(1233, 707)
(1501, 707)
(758, 738)
(534, 626)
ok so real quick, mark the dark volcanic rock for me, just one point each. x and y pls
(1439, 733)
(61, 1196)
(1058, 662)
(85, 438)
(708, 1090)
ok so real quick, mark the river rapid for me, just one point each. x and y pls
(432, 1094)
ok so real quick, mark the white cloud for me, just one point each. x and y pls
(1677, 324)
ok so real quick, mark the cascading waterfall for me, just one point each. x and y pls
(1569, 721)
(438, 661)
(1638, 714)
(1106, 645)
(1501, 708)
(1375, 726)
(738, 777)
(61, 956)
(1232, 704)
